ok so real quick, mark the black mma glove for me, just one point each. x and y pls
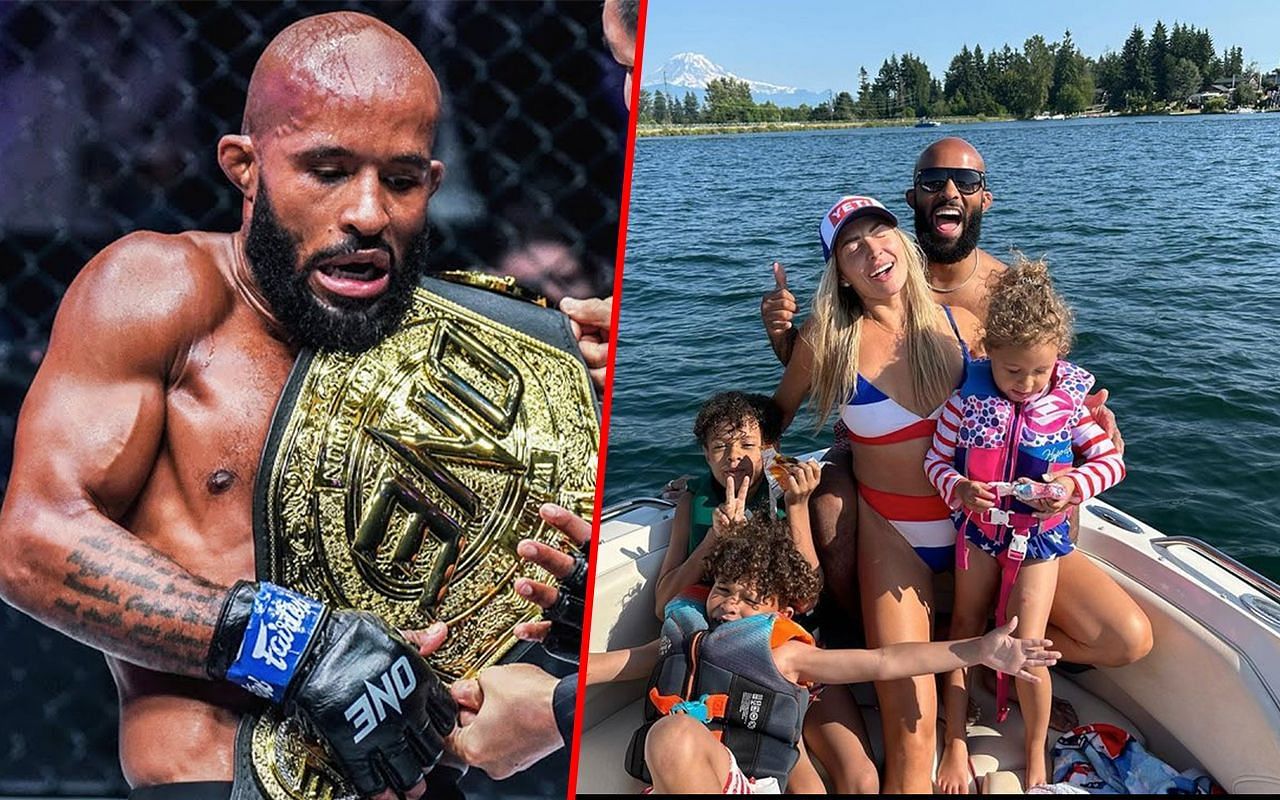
(366, 690)
(564, 639)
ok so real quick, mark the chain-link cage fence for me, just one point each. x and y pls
(109, 117)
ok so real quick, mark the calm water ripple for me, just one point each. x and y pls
(1162, 233)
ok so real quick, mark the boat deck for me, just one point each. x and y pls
(1205, 697)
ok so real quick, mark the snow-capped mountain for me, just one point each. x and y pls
(690, 72)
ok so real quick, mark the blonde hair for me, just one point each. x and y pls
(836, 327)
(1024, 310)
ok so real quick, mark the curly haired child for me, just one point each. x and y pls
(735, 430)
(1002, 459)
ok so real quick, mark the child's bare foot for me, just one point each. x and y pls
(1062, 715)
(953, 769)
(1036, 774)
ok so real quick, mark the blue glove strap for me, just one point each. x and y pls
(279, 629)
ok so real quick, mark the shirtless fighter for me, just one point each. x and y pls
(129, 519)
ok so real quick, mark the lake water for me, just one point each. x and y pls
(1161, 231)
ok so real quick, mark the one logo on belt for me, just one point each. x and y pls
(750, 708)
(370, 709)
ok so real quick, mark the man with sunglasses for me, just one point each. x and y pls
(949, 196)
(1093, 620)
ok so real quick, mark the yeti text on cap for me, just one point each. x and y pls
(848, 206)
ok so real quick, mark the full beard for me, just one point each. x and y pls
(941, 250)
(348, 325)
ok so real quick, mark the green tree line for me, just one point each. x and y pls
(1150, 73)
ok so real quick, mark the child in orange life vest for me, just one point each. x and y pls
(729, 678)
(1002, 459)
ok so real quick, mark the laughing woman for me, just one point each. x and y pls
(881, 353)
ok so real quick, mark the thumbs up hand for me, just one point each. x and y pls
(779, 275)
(777, 310)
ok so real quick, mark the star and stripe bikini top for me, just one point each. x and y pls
(874, 417)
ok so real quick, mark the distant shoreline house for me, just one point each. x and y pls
(1271, 89)
(1196, 100)
(1226, 89)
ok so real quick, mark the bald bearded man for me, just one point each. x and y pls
(130, 518)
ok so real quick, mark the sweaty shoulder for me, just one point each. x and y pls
(151, 293)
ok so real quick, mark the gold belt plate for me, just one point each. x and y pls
(403, 480)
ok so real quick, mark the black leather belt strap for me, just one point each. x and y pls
(200, 790)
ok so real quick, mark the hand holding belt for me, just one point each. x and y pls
(564, 639)
(347, 674)
(560, 629)
(425, 456)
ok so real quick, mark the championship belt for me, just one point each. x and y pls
(400, 480)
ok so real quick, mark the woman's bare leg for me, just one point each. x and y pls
(897, 606)
(1029, 601)
(837, 737)
(1094, 621)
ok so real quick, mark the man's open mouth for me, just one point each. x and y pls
(947, 221)
(361, 275)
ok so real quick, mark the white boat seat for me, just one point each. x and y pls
(1002, 782)
(612, 713)
(604, 751)
(992, 748)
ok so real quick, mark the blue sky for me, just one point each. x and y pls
(819, 44)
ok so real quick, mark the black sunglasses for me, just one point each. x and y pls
(934, 179)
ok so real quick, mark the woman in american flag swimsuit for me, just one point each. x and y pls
(882, 354)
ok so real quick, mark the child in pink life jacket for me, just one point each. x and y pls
(1018, 418)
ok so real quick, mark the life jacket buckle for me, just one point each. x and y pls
(694, 708)
(998, 516)
(1018, 545)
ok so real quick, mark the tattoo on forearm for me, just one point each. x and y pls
(73, 582)
(139, 579)
(114, 619)
(134, 603)
(97, 541)
(149, 608)
(178, 638)
(88, 569)
(146, 631)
